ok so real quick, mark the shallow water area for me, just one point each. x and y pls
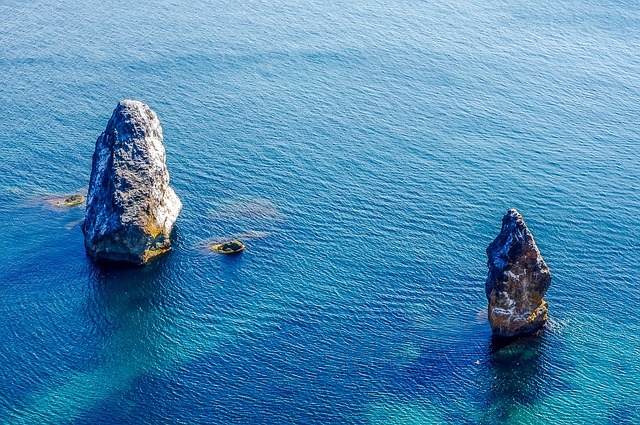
(366, 152)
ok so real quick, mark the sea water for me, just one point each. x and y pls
(365, 152)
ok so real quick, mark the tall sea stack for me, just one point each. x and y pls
(518, 279)
(130, 207)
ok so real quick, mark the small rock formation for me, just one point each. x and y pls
(70, 201)
(130, 207)
(517, 281)
(230, 247)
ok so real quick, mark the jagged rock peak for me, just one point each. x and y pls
(517, 281)
(130, 207)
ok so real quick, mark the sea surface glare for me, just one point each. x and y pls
(365, 152)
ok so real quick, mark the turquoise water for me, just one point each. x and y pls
(365, 153)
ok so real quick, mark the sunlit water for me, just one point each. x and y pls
(365, 152)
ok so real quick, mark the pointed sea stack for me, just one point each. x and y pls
(130, 207)
(518, 279)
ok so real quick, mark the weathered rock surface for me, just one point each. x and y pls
(517, 282)
(231, 247)
(130, 207)
(70, 201)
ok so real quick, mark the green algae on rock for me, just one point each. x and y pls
(230, 247)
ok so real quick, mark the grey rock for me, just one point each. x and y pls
(517, 282)
(131, 209)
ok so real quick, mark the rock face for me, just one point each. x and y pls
(130, 207)
(517, 281)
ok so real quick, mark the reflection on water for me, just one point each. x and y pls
(129, 317)
(136, 326)
(142, 323)
(468, 377)
(515, 384)
(130, 308)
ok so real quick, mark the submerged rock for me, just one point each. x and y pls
(70, 201)
(230, 247)
(517, 282)
(130, 207)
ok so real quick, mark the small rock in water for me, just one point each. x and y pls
(70, 201)
(130, 207)
(517, 282)
(230, 247)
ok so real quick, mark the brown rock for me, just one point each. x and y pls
(517, 282)
(231, 247)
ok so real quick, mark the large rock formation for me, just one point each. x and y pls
(518, 279)
(130, 207)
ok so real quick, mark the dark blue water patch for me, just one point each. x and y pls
(624, 413)
(218, 389)
(519, 376)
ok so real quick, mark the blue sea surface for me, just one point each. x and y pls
(365, 152)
